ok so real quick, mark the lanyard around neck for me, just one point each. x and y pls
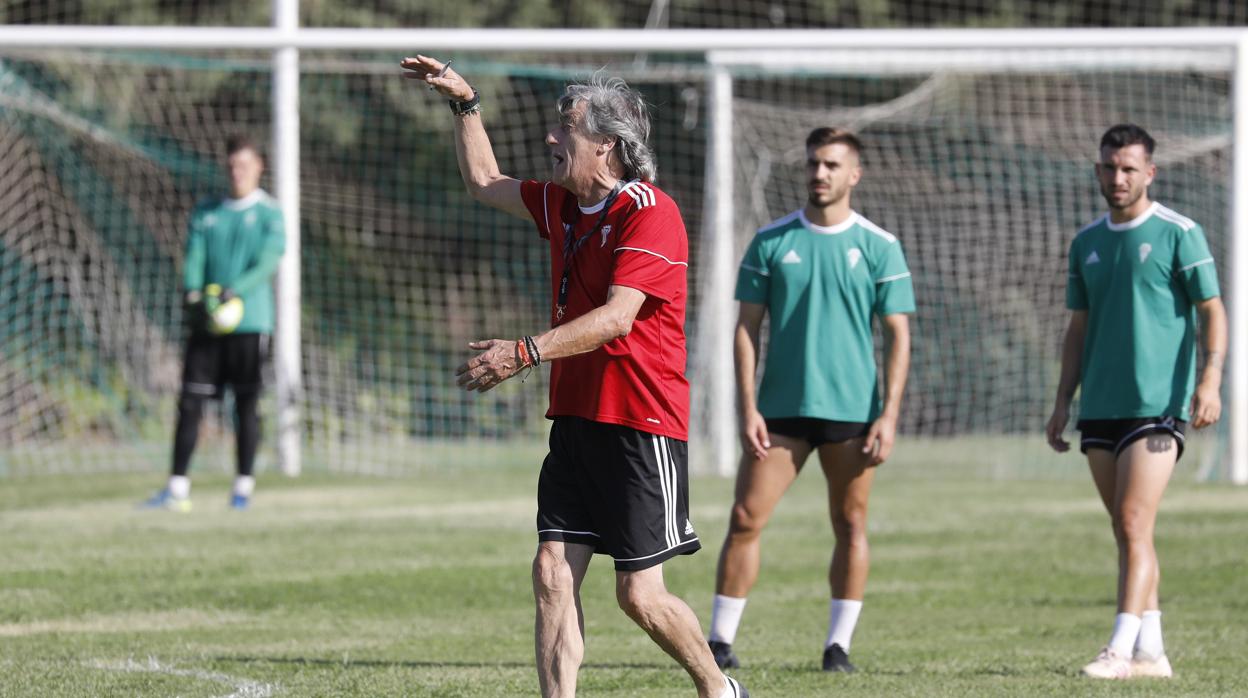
(572, 246)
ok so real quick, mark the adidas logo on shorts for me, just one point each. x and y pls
(688, 527)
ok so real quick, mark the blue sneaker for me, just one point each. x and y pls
(239, 501)
(164, 499)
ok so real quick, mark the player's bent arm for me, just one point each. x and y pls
(1206, 407)
(611, 320)
(262, 272)
(1072, 362)
(897, 361)
(1213, 330)
(194, 263)
(745, 353)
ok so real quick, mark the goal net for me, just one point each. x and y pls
(982, 166)
(984, 174)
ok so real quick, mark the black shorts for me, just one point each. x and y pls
(815, 431)
(1116, 434)
(212, 362)
(623, 491)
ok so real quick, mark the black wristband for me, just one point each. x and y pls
(531, 345)
(465, 108)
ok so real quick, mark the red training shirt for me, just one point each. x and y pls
(638, 380)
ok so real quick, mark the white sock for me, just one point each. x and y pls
(1149, 641)
(728, 692)
(179, 486)
(842, 617)
(244, 485)
(725, 617)
(1126, 630)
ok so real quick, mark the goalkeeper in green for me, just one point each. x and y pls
(233, 248)
(1139, 278)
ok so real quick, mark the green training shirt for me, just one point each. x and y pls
(1139, 281)
(821, 286)
(237, 244)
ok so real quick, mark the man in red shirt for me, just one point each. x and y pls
(615, 480)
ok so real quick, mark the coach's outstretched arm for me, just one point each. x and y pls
(472, 146)
(501, 358)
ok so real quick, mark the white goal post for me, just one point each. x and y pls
(725, 51)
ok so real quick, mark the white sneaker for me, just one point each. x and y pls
(1109, 665)
(1144, 666)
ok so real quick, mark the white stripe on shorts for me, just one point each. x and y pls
(675, 487)
(660, 459)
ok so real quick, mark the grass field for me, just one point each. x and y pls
(348, 586)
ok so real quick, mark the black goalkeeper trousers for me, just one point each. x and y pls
(246, 428)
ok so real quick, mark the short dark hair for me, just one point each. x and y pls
(828, 135)
(1123, 135)
(239, 142)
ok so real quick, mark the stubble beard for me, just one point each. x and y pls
(1131, 200)
(832, 198)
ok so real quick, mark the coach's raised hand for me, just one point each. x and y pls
(438, 76)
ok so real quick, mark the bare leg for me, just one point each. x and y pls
(1154, 594)
(849, 473)
(1131, 486)
(760, 484)
(671, 624)
(1104, 468)
(558, 569)
(1144, 470)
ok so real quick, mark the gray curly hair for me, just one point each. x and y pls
(614, 109)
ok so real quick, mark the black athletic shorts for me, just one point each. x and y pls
(212, 362)
(623, 491)
(1116, 434)
(817, 432)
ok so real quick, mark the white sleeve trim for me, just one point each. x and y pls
(641, 194)
(756, 270)
(872, 227)
(1174, 217)
(1208, 260)
(894, 277)
(656, 254)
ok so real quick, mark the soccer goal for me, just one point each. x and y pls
(978, 156)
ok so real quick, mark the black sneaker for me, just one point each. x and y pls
(738, 691)
(836, 659)
(724, 658)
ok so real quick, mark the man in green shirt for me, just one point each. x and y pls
(233, 248)
(1139, 277)
(822, 273)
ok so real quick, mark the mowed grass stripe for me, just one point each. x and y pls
(419, 586)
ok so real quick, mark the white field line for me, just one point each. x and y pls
(243, 688)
